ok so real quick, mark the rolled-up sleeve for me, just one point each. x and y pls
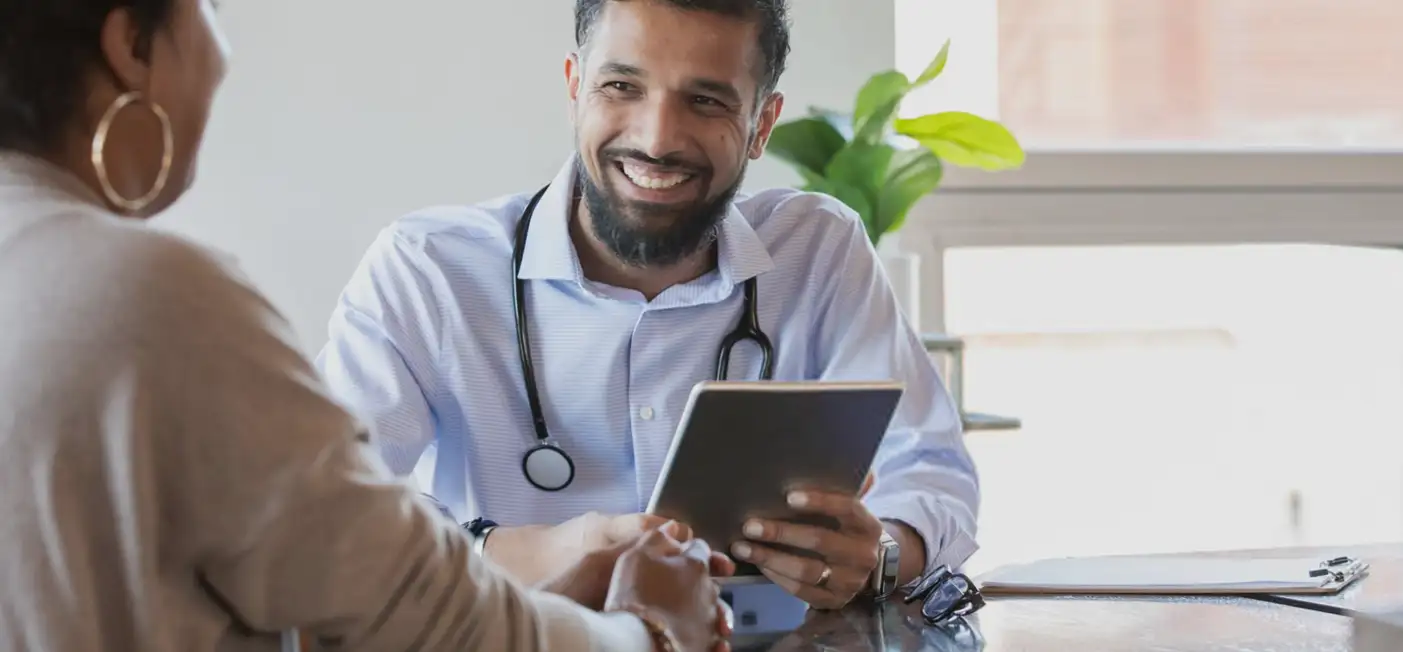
(925, 477)
(379, 361)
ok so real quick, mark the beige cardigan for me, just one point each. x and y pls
(174, 478)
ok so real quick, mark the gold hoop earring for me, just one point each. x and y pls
(167, 154)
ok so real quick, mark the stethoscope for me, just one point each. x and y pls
(547, 466)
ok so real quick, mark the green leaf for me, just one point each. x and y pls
(862, 167)
(806, 143)
(965, 139)
(856, 199)
(877, 102)
(936, 67)
(915, 173)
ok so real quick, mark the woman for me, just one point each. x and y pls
(173, 475)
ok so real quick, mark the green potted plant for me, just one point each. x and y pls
(881, 165)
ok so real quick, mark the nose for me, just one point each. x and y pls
(659, 127)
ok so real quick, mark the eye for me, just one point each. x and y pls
(707, 101)
(623, 87)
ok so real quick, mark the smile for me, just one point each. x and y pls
(651, 177)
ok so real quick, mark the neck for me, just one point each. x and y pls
(76, 159)
(61, 169)
(601, 265)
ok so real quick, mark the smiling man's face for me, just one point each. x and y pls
(665, 107)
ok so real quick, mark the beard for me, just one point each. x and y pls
(643, 234)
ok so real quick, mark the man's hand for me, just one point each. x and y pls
(670, 580)
(587, 580)
(848, 555)
(534, 554)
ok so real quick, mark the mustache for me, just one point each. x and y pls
(669, 162)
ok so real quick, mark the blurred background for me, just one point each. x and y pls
(1190, 298)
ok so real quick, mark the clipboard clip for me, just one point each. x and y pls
(1332, 568)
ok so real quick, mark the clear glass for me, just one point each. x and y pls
(1183, 398)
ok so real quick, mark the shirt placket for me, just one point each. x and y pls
(647, 420)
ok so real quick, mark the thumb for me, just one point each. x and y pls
(678, 530)
(632, 526)
(867, 485)
(721, 565)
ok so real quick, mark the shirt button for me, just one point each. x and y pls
(646, 413)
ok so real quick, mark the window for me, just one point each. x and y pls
(1146, 74)
(1182, 398)
(1193, 288)
(1163, 121)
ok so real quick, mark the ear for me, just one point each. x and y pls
(127, 56)
(769, 116)
(574, 72)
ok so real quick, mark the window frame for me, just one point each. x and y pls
(1167, 195)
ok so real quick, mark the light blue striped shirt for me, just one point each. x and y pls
(423, 347)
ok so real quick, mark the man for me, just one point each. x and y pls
(632, 270)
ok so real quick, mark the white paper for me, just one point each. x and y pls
(1157, 573)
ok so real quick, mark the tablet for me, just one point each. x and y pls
(741, 446)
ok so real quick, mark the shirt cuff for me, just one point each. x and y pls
(567, 626)
(948, 542)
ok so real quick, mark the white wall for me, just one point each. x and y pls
(339, 116)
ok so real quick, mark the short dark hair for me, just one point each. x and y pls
(771, 15)
(47, 49)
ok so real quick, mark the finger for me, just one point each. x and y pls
(842, 580)
(867, 485)
(725, 626)
(839, 548)
(698, 550)
(678, 530)
(799, 569)
(632, 526)
(721, 565)
(850, 512)
(816, 598)
(613, 551)
(658, 540)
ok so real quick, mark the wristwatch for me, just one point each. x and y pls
(883, 581)
(479, 528)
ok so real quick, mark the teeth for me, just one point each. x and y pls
(644, 178)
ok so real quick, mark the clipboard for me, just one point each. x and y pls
(1170, 575)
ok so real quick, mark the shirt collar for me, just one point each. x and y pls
(741, 255)
(550, 254)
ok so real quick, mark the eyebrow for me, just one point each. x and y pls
(616, 68)
(726, 90)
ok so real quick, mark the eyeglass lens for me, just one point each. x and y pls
(946, 599)
(928, 583)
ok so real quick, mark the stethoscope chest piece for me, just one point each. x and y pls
(548, 468)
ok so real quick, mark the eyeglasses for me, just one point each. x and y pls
(945, 595)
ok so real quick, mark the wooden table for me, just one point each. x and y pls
(1111, 624)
